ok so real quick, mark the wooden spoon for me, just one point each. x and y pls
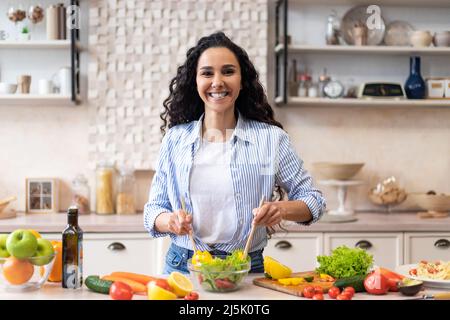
(183, 206)
(252, 231)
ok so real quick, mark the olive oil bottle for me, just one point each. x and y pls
(72, 253)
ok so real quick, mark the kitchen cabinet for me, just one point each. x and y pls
(299, 35)
(386, 248)
(298, 251)
(104, 253)
(426, 246)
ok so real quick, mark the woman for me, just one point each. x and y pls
(223, 152)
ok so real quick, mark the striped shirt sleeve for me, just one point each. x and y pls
(158, 201)
(292, 177)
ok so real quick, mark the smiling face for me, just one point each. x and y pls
(218, 79)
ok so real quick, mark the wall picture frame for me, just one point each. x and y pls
(42, 195)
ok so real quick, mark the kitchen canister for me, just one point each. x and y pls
(52, 18)
(436, 88)
(56, 22)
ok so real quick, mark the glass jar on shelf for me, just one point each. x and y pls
(305, 83)
(126, 192)
(104, 189)
(81, 194)
(323, 80)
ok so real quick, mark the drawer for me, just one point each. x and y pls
(427, 246)
(105, 253)
(386, 248)
(298, 252)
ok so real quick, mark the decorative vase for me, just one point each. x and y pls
(415, 85)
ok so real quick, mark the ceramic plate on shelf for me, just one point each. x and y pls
(431, 283)
(359, 16)
(398, 33)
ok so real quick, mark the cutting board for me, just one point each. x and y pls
(293, 290)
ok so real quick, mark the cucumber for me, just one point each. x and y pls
(98, 285)
(309, 278)
(357, 282)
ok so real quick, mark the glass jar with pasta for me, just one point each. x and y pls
(104, 189)
(126, 192)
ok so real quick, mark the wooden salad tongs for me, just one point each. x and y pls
(183, 206)
(252, 231)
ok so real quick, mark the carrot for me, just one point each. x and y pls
(141, 278)
(137, 287)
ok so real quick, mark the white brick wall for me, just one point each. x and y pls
(135, 48)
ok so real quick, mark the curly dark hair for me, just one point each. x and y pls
(184, 103)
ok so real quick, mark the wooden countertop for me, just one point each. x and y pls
(367, 222)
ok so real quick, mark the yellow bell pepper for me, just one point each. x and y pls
(291, 281)
(201, 257)
(326, 277)
(275, 269)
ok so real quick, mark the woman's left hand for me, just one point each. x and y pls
(268, 215)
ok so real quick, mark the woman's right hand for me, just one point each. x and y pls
(180, 222)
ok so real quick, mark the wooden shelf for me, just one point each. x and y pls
(326, 102)
(34, 99)
(38, 44)
(345, 49)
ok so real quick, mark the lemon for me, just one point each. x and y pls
(275, 269)
(158, 293)
(180, 284)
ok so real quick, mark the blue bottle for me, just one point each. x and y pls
(415, 86)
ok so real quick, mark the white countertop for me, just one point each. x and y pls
(367, 222)
(248, 291)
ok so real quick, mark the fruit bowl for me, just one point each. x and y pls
(25, 274)
(337, 171)
(218, 275)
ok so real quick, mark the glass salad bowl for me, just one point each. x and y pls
(220, 274)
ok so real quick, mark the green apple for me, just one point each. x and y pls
(43, 252)
(21, 244)
(3, 252)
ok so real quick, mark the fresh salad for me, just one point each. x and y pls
(222, 273)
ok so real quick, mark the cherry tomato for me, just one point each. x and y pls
(318, 289)
(348, 294)
(191, 296)
(120, 291)
(413, 272)
(309, 292)
(343, 297)
(333, 292)
(318, 296)
(350, 290)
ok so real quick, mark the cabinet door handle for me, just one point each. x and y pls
(116, 246)
(363, 244)
(442, 243)
(283, 244)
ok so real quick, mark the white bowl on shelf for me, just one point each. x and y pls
(336, 170)
(7, 88)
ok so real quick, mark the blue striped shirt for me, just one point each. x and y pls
(261, 157)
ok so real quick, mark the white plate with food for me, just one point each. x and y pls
(435, 274)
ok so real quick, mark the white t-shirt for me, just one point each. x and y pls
(212, 195)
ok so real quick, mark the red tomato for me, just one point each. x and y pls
(350, 290)
(191, 296)
(120, 291)
(376, 283)
(318, 289)
(333, 292)
(318, 296)
(309, 292)
(162, 283)
(413, 272)
(348, 294)
(343, 297)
